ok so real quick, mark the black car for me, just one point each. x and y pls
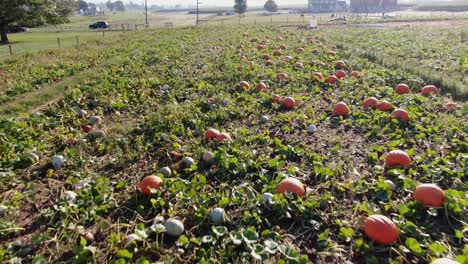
(18, 29)
(99, 25)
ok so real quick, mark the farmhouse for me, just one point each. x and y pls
(369, 6)
(327, 6)
(93, 10)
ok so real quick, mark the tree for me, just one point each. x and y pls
(82, 5)
(33, 13)
(240, 6)
(119, 6)
(110, 5)
(271, 6)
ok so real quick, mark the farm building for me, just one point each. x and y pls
(327, 6)
(373, 6)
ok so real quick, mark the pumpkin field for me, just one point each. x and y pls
(238, 144)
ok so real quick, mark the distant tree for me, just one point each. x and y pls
(240, 6)
(119, 6)
(82, 5)
(110, 5)
(271, 6)
(33, 13)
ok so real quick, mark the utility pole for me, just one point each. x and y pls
(197, 11)
(146, 13)
(198, 3)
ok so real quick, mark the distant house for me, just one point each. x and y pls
(327, 6)
(93, 10)
(373, 6)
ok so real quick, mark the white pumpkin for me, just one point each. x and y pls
(264, 119)
(166, 171)
(174, 227)
(218, 216)
(187, 162)
(58, 161)
(208, 157)
(311, 129)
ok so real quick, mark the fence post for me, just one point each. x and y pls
(123, 28)
(11, 50)
(59, 44)
(222, 21)
(77, 42)
(103, 32)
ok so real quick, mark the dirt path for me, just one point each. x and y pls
(39, 99)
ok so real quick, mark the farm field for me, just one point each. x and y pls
(46, 38)
(299, 165)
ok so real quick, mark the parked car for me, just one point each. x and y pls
(99, 25)
(17, 29)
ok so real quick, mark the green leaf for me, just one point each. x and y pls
(438, 248)
(219, 230)
(249, 236)
(142, 260)
(123, 253)
(413, 245)
(346, 232)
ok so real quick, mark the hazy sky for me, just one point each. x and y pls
(212, 2)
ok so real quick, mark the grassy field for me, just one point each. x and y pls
(46, 38)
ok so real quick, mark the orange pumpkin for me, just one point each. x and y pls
(340, 109)
(331, 53)
(276, 99)
(300, 50)
(244, 85)
(282, 76)
(340, 74)
(402, 89)
(298, 65)
(429, 89)
(397, 158)
(331, 79)
(261, 47)
(260, 86)
(211, 100)
(283, 47)
(211, 133)
(381, 229)
(355, 74)
(277, 53)
(150, 182)
(250, 63)
(429, 195)
(291, 185)
(340, 65)
(269, 62)
(400, 114)
(315, 51)
(240, 69)
(370, 102)
(266, 57)
(289, 102)
(451, 106)
(287, 58)
(317, 75)
(385, 106)
(223, 137)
